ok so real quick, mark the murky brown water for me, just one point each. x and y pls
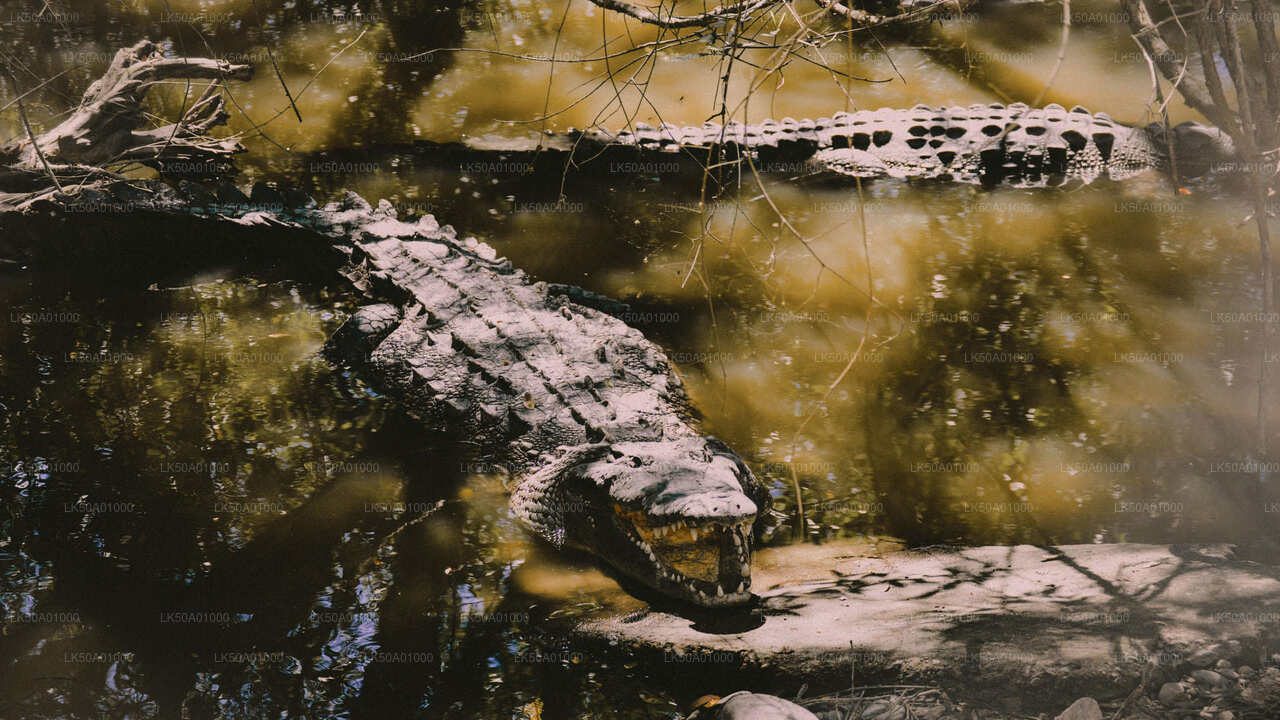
(1039, 366)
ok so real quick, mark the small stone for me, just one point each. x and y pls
(1086, 708)
(875, 710)
(1226, 715)
(1247, 672)
(1170, 694)
(1209, 678)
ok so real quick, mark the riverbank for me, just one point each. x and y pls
(1044, 623)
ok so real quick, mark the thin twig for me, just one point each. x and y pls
(272, 57)
(26, 124)
(1062, 52)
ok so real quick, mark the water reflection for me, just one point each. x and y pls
(1042, 368)
(201, 514)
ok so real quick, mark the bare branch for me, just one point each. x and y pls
(863, 20)
(1192, 90)
(1062, 52)
(724, 12)
(860, 18)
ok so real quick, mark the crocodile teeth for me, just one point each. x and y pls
(742, 586)
(719, 590)
(694, 532)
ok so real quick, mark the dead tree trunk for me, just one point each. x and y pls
(108, 131)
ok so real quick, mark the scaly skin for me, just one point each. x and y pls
(979, 144)
(586, 414)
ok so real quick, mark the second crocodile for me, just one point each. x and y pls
(981, 144)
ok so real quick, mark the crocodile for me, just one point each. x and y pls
(588, 417)
(982, 144)
(979, 144)
(587, 414)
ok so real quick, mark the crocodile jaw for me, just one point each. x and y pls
(706, 563)
(676, 516)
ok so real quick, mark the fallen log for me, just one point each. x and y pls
(108, 131)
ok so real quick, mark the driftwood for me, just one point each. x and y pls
(108, 131)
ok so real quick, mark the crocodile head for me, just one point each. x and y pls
(675, 516)
(1199, 149)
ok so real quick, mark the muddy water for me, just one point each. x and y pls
(201, 513)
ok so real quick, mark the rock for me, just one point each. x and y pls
(1206, 657)
(1171, 694)
(1086, 708)
(891, 709)
(874, 709)
(1226, 715)
(1209, 678)
(751, 706)
(1247, 672)
(805, 596)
